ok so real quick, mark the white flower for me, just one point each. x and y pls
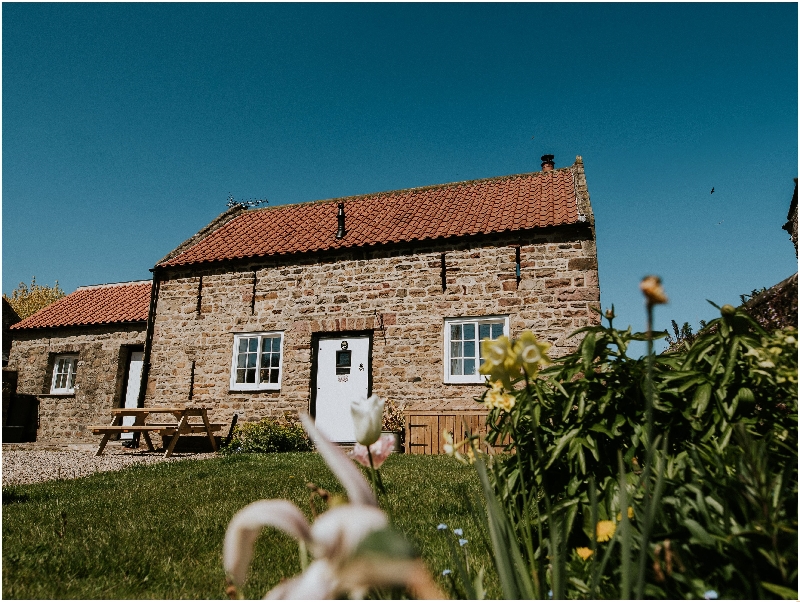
(339, 567)
(367, 418)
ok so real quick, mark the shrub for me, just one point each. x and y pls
(710, 476)
(393, 418)
(269, 435)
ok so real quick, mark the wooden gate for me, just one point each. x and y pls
(424, 429)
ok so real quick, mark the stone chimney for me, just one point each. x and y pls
(547, 163)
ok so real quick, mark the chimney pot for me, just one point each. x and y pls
(340, 217)
(547, 163)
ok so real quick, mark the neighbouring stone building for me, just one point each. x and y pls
(300, 308)
(77, 358)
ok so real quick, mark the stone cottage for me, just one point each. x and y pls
(79, 357)
(300, 308)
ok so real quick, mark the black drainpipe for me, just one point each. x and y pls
(148, 341)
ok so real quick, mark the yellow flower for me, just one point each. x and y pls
(653, 291)
(499, 360)
(451, 448)
(584, 553)
(605, 530)
(531, 352)
(497, 397)
(630, 514)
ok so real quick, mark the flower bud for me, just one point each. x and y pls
(367, 418)
(727, 310)
(653, 291)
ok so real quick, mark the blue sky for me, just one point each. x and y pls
(126, 126)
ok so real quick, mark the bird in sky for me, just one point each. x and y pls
(712, 190)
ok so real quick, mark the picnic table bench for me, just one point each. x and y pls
(181, 426)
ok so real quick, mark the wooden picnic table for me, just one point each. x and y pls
(181, 426)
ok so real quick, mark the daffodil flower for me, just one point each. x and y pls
(500, 362)
(498, 397)
(532, 353)
(451, 449)
(605, 530)
(343, 564)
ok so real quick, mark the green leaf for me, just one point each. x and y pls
(562, 443)
(587, 351)
(731, 363)
(745, 395)
(779, 590)
(698, 532)
(599, 428)
(701, 398)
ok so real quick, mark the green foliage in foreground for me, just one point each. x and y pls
(710, 473)
(156, 532)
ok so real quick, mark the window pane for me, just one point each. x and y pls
(251, 360)
(264, 375)
(241, 360)
(243, 345)
(276, 360)
(455, 332)
(484, 331)
(71, 379)
(469, 366)
(497, 330)
(276, 344)
(273, 376)
(469, 332)
(469, 349)
(252, 344)
(250, 376)
(240, 376)
(455, 349)
(456, 367)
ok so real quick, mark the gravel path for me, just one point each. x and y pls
(35, 466)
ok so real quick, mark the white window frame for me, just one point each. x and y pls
(71, 364)
(257, 385)
(476, 321)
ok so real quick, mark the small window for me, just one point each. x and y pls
(257, 361)
(64, 367)
(462, 346)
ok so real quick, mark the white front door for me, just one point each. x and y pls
(343, 372)
(132, 391)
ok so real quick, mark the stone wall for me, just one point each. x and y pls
(394, 292)
(102, 357)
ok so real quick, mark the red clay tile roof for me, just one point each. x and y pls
(103, 304)
(507, 203)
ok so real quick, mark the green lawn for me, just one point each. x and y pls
(157, 531)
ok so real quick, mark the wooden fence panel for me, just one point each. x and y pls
(424, 430)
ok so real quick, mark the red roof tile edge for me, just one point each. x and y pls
(116, 303)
